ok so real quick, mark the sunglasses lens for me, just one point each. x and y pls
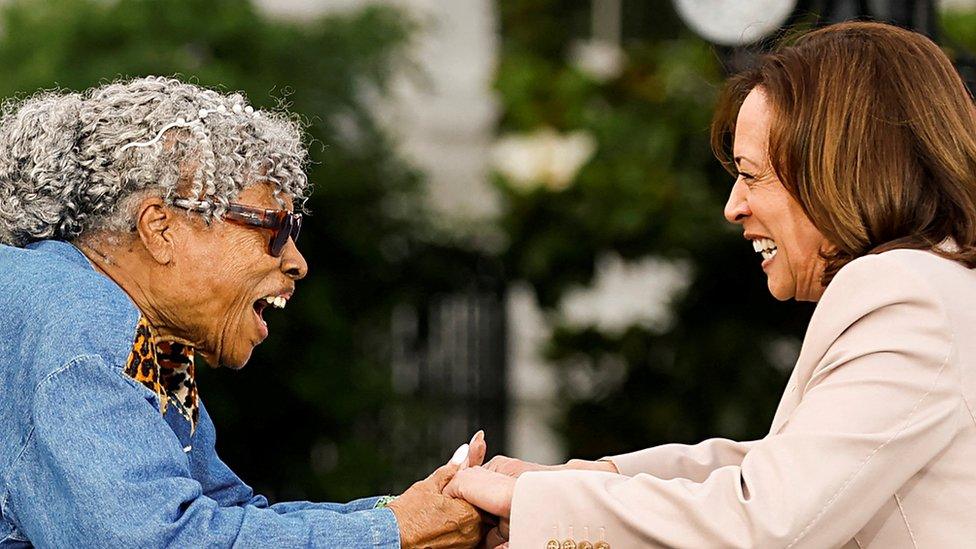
(280, 237)
(296, 226)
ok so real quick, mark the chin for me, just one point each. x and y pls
(235, 361)
(780, 293)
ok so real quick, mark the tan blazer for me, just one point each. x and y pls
(873, 444)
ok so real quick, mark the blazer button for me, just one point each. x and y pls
(601, 545)
(584, 545)
(569, 543)
(552, 544)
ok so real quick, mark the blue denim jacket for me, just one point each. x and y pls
(86, 459)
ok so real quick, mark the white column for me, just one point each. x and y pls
(443, 118)
(446, 123)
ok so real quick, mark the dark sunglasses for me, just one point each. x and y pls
(283, 223)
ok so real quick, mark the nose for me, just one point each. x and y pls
(293, 262)
(737, 207)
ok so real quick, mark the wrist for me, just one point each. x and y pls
(402, 524)
(606, 466)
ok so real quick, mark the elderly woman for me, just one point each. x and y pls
(144, 222)
(854, 152)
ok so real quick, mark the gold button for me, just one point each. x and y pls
(552, 544)
(601, 545)
(584, 545)
(569, 543)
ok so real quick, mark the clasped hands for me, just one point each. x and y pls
(454, 505)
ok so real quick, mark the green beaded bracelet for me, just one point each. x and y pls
(384, 501)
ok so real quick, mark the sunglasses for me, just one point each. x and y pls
(283, 223)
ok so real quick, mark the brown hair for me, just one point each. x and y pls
(873, 133)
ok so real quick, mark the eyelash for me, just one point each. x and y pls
(745, 175)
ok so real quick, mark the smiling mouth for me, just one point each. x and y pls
(765, 246)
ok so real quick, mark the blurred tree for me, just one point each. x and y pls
(304, 419)
(652, 187)
(958, 27)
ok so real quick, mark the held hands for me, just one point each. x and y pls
(487, 490)
(439, 511)
(492, 487)
(430, 519)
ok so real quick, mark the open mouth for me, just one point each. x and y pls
(765, 246)
(275, 302)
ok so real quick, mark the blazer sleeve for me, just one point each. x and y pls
(692, 462)
(882, 401)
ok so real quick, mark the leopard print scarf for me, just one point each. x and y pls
(167, 369)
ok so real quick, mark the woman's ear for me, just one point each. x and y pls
(156, 226)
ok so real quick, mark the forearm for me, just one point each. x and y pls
(692, 462)
(136, 486)
(176, 515)
(364, 504)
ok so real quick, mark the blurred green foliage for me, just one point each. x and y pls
(959, 41)
(959, 28)
(303, 420)
(651, 188)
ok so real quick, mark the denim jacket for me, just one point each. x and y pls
(86, 458)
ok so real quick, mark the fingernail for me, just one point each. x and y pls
(480, 432)
(460, 455)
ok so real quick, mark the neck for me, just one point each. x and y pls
(123, 266)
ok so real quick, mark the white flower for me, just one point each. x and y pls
(626, 294)
(543, 157)
(598, 59)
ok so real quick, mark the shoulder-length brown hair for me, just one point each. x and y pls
(873, 133)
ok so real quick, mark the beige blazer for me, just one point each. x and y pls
(873, 444)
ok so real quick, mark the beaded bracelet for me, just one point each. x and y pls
(384, 501)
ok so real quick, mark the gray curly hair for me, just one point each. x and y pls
(65, 170)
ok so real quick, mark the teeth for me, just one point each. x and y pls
(278, 302)
(765, 246)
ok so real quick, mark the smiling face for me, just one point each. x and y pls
(770, 217)
(222, 280)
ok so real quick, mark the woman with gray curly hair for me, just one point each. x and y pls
(143, 222)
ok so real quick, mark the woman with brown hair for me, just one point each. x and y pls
(854, 152)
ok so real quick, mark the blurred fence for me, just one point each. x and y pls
(448, 361)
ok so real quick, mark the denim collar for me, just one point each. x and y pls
(62, 249)
(117, 337)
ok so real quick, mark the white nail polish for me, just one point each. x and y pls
(460, 455)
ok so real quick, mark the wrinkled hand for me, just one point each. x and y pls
(428, 518)
(487, 490)
(497, 537)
